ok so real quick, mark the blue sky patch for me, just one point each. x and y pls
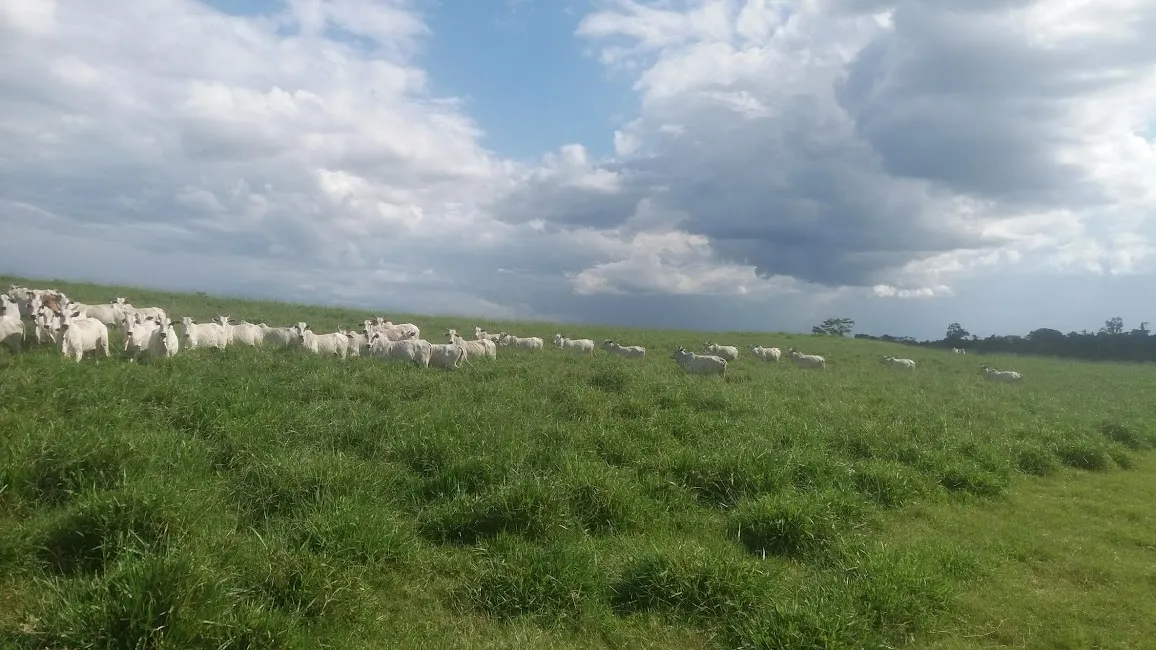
(247, 7)
(524, 76)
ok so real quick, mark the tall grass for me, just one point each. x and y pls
(263, 498)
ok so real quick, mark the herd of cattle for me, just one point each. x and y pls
(149, 332)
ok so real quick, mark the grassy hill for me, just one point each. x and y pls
(261, 498)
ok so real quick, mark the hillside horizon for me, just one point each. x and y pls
(7, 278)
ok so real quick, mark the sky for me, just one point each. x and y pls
(698, 164)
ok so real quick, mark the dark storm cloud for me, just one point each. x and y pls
(965, 101)
(842, 176)
(788, 196)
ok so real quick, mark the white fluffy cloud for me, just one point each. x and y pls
(791, 159)
(887, 149)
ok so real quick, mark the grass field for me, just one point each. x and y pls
(260, 498)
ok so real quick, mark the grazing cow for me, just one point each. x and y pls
(700, 364)
(999, 375)
(902, 364)
(807, 360)
(728, 352)
(474, 349)
(628, 351)
(579, 346)
(530, 343)
(766, 354)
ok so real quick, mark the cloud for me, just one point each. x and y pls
(789, 160)
(299, 143)
(887, 145)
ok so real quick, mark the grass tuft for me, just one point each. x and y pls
(527, 507)
(556, 582)
(356, 531)
(1084, 454)
(794, 523)
(1037, 461)
(91, 534)
(689, 580)
(968, 477)
(62, 464)
(890, 484)
(610, 380)
(1123, 434)
(725, 477)
(300, 584)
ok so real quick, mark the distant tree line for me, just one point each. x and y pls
(1112, 342)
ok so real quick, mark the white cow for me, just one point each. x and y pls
(902, 364)
(153, 339)
(446, 355)
(81, 334)
(47, 325)
(48, 322)
(155, 313)
(959, 350)
(580, 346)
(22, 297)
(530, 343)
(11, 327)
(110, 313)
(138, 337)
(628, 351)
(30, 300)
(32, 309)
(204, 335)
(164, 341)
(474, 349)
(404, 330)
(480, 334)
(408, 329)
(766, 354)
(133, 320)
(334, 343)
(728, 352)
(358, 342)
(700, 364)
(391, 331)
(243, 333)
(282, 336)
(807, 360)
(999, 375)
(416, 351)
